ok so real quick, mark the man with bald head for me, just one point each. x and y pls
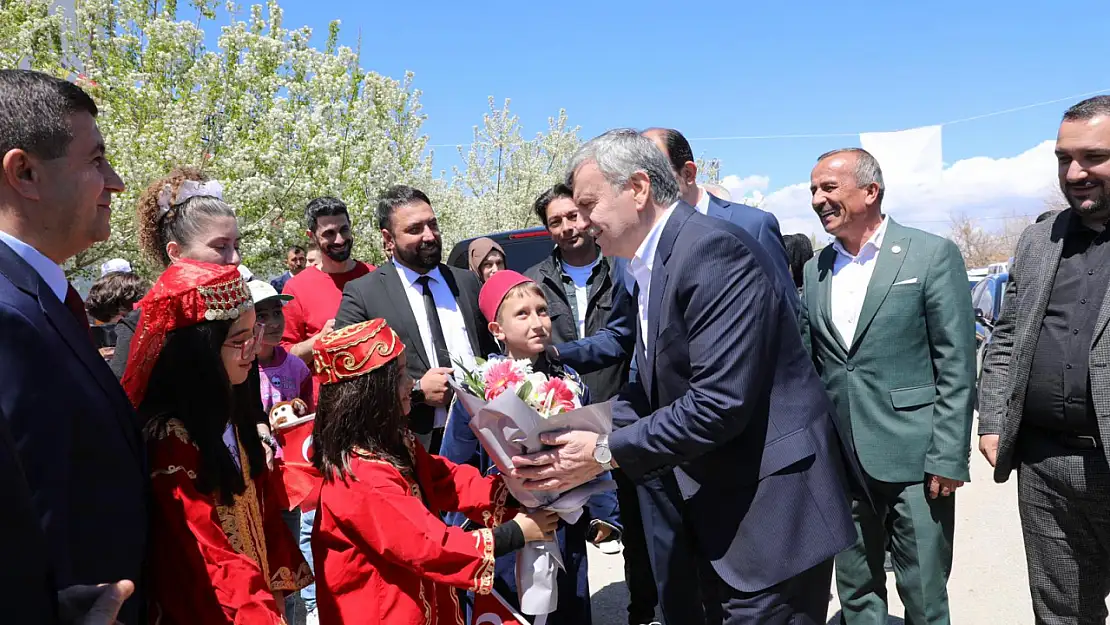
(886, 316)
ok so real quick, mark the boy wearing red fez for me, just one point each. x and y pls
(382, 554)
(516, 310)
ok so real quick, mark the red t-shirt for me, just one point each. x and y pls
(316, 298)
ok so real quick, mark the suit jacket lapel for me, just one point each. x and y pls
(665, 246)
(824, 287)
(466, 301)
(719, 209)
(395, 290)
(77, 340)
(1041, 288)
(887, 266)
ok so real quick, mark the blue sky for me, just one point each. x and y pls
(741, 68)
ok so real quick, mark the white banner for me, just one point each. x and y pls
(906, 156)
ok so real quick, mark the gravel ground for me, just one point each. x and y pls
(988, 584)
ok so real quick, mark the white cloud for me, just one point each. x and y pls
(740, 188)
(986, 189)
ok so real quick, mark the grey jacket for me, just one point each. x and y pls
(1009, 356)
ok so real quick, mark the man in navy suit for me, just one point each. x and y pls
(77, 439)
(725, 396)
(615, 342)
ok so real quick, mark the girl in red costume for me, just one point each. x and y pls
(383, 556)
(219, 551)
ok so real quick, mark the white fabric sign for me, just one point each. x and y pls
(906, 155)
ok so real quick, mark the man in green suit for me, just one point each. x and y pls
(886, 315)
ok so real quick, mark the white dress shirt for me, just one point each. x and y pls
(641, 265)
(703, 201)
(450, 319)
(851, 276)
(47, 269)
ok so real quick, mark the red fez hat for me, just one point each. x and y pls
(187, 293)
(495, 289)
(355, 350)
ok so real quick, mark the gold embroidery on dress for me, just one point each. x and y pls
(173, 468)
(427, 606)
(483, 577)
(242, 520)
(284, 579)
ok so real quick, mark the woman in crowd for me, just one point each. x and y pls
(799, 249)
(219, 552)
(382, 553)
(486, 258)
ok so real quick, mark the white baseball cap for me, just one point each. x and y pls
(116, 264)
(262, 291)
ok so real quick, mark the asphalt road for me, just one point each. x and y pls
(988, 585)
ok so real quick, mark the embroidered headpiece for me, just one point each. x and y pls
(187, 293)
(188, 189)
(355, 350)
(495, 289)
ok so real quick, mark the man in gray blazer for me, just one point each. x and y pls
(1045, 391)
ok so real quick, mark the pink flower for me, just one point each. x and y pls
(500, 377)
(558, 395)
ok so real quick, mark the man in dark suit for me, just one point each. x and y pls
(433, 307)
(725, 396)
(76, 434)
(887, 317)
(759, 223)
(1045, 390)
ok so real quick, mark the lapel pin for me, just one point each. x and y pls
(897, 249)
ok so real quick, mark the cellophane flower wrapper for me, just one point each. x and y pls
(506, 426)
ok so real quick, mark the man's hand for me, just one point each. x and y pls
(303, 350)
(941, 486)
(569, 464)
(988, 446)
(266, 436)
(604, 530)
(93, 605)
(434, 386)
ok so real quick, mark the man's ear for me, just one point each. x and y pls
(496, 331)
(641, 188)
(20, 172)
(689, 173)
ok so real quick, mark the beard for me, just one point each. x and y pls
(339, 253)
(425, 256)
(1099, 204)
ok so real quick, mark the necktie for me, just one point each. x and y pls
(76, 306)
(442, 357)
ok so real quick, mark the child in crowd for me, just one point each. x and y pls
(517, 313)
(218, 552)
(284, 378)
(382, 552)
(111, 297)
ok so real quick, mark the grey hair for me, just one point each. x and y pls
(1091, 107)
(867, 171)
(621, 153)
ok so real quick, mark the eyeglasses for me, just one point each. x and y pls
(248, 347)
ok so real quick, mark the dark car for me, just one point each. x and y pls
(523, 248)
(986, 301)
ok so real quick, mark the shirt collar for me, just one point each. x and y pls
(703, 201)
(47, 269)
(645, 255)
(874, 243)
(409, 277)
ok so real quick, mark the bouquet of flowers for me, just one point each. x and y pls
(510, 405)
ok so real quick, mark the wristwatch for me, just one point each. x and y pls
(602, 454)
(417, 395)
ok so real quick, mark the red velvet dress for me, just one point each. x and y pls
(383, 556)
(211, 563)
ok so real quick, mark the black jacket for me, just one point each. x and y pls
(381, 295)
(605, 383)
